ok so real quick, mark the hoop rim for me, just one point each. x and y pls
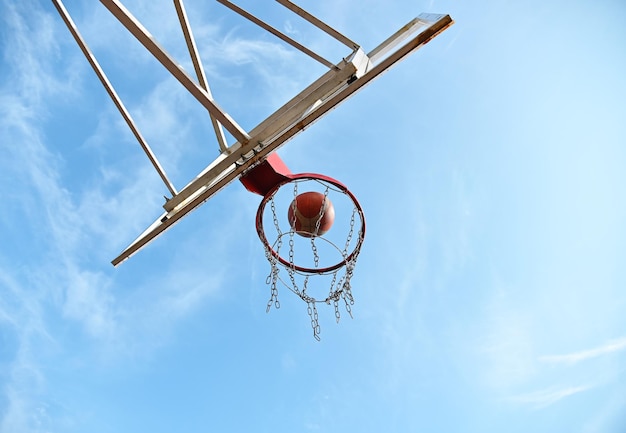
(310, 176)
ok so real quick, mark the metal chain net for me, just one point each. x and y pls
(340, 290)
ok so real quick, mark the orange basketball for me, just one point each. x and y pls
(307, 209)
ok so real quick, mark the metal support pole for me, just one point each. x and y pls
(197, 65)
(319, 24)
(277, 33)
(148, 41)
(109, 88)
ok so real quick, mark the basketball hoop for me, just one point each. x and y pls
(310, 247)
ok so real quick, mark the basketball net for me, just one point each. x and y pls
(305, 264)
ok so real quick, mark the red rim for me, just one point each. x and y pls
(310, 176)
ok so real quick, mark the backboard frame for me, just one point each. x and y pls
(340, 82)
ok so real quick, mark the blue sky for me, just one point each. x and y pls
(490, 289)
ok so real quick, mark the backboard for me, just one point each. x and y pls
(342, 80)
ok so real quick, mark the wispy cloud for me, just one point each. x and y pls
(547, 397)
(63, 227)
(22, 318)
(273, 63)
(36, 201)
(572, 358)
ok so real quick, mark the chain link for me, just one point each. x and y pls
(321, 213)
(332, 284)
(350, 233)
(272, 279)
(315, 325)
(291, 253)
(316, 257)
(275, 218)
(318, 222)
(346, 291)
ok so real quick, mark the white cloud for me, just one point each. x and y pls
(290, 29)
(278, 66)
(575, 357)
(509, 351)
(37, 202)
(547, 397)
(88, 301)
(68, 227)
(21, 316)
(24, 56)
